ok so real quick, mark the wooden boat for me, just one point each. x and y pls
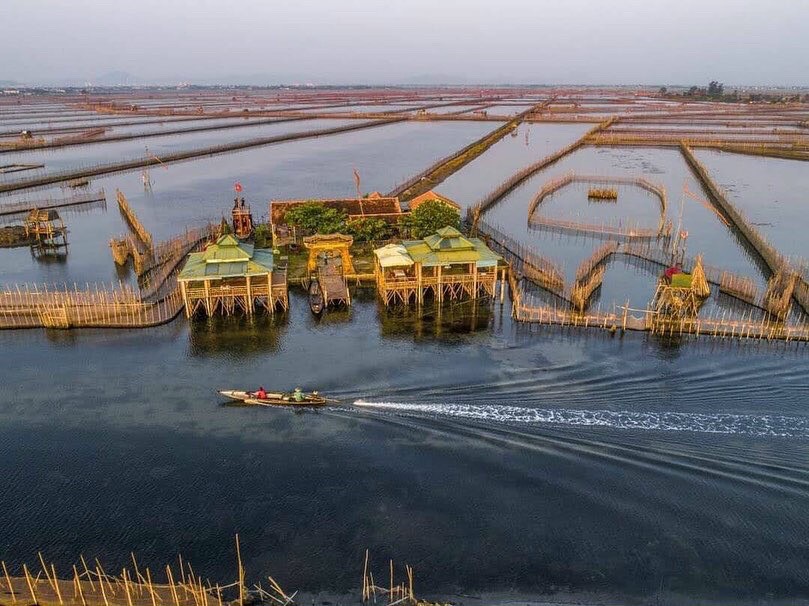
(275, 399)
(315, 297)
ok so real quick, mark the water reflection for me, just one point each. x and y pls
(238, 337)
(444, 323)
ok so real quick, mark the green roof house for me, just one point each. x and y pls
(230, 276)
(446, 264)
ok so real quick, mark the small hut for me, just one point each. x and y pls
(47, 228)
(679, 295)
(229, 276)
(445, 265)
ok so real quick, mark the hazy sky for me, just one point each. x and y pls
(388, 41)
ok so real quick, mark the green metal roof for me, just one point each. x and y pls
(449, 247)
(227, 249)
(448, 238)
(227, 258)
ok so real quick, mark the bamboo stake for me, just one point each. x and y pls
(8, 582)
(56, 584)
(45, 570)
(171, 584)
(241, 571)
(365, 578)
(101, 584)
(30, 584)
(102, 576)
(87, 571)
(78, 586)
(126, 587)
(149, 585)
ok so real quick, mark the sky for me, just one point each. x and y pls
(744, 42)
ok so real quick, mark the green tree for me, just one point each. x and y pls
(715, 89)
(369, 229)
(316, 218)
(262, 235)
(429, 217)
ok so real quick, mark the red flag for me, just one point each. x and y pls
(238, 187)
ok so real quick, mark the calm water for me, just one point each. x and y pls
(490, 456)
(490, 459)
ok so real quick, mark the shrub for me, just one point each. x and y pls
(369, 229)
(316, 218)
(429, 217)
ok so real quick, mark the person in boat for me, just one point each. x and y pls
(297, 395)
(261, 394)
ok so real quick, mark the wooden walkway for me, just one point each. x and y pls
(333, 284)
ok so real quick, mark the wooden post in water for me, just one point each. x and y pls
(56, 584)
(78, 586)
(8, 582)
(30, 584)
(101, 584)
(241, 571)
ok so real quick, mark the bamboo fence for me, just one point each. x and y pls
(475, 212)
(105, 306)
(522, 259)
(49, 203)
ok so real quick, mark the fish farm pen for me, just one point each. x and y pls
(205, 271)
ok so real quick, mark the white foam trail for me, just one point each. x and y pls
(759, 425)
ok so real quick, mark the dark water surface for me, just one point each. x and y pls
(488, 456)
(491, 457)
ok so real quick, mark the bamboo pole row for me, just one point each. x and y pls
(95, 587)
(475, 212)
(49, 203)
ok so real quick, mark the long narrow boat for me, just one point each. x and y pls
(275, 399)
(315, 297)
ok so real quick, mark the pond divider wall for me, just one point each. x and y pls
(151, 160)
(766, 251)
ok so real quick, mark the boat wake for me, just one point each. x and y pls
(756, 425)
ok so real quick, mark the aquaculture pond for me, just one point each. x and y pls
(498, 459)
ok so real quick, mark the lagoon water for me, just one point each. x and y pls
(490, 456)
